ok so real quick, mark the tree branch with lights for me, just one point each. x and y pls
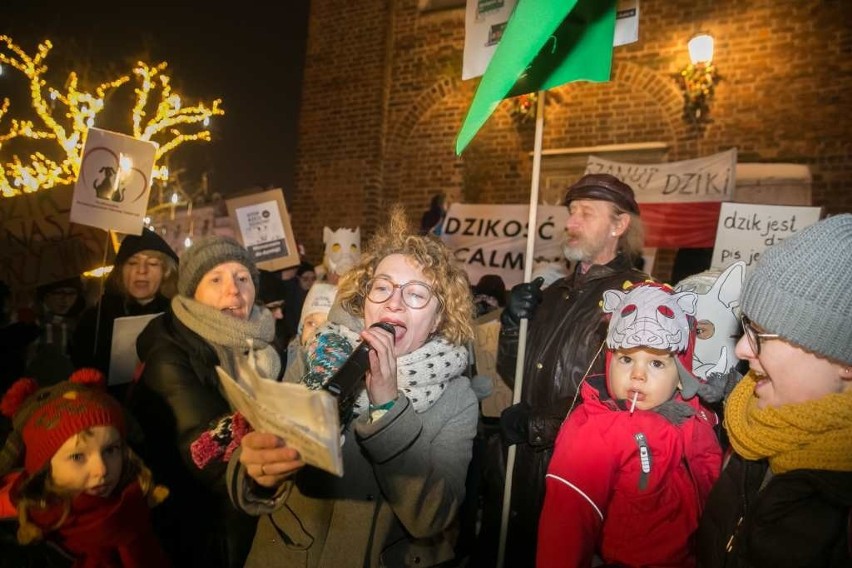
(157, 115)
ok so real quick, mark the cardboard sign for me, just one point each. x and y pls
(262, 225)
(492, 239)
(487, 334)
(39, 244)
(744, 231)
(114, 182)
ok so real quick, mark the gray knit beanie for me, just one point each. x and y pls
(801, 289)
(208, 253)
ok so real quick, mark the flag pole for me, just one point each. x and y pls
(522, 332)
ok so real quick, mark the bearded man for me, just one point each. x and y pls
(603, 238)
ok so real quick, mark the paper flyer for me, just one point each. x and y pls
(306, 419)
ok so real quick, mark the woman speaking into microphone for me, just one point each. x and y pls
(408, 446)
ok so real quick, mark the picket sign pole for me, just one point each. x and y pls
(522, 331)
(101, 296)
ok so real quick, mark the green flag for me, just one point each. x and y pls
(546, 43)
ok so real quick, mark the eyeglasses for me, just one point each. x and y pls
(755, 337)
(416, 295)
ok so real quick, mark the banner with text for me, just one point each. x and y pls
(746, 230)
(679, 201)
(491, 239)
(39, 244)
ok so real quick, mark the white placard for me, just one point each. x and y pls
(626, 22)
(114, 182)
(484, 23)
(492, 239)
(746, 230)
(122, 358)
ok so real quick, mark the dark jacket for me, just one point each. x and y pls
(566, 331)
(800, 518)
(83, 351)
(176, 400)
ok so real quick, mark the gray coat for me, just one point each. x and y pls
(403, 484)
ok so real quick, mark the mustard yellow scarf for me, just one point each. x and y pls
(810, 435)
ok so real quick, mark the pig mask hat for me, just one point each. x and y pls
(651, 315)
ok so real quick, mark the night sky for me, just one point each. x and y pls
(249, 57)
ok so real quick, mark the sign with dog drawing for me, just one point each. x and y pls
(263, 227)
(114, 182)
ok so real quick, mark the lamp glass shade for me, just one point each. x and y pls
(700, 48)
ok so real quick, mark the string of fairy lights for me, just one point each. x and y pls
(64, 115)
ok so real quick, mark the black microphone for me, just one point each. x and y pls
(344, 383)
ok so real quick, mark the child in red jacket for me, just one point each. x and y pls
(634, 463)
(81, 487)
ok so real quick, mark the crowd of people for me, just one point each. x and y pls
(623, 454)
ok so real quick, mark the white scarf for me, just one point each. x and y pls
(422, 375)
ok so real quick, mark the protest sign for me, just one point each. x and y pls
(123, 358)
(486, 333)
(262, 225)
(491, 239)
(746, 230)
(679, 201)
(39, 244)
(114, 182)
(484, 23)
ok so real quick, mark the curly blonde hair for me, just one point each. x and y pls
(448, 279)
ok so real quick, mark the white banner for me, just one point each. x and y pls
(484, 23)
(492, 239)
(114, 182)
(746, 230)
(711, 178)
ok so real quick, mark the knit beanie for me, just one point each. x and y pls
(319, 300)
(148, 240)
(209, 252)
(801, 289)
(44, 419)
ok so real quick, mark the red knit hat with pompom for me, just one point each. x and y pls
(44, 419)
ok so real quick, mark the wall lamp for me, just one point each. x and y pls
(698, 79)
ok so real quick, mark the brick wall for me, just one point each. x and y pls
(383, 102)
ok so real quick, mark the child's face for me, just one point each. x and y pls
(648, 373)
(310, 325)
(89, 462)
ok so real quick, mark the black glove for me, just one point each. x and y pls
(523, 300)
(514, 424)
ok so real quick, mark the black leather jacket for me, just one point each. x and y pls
(564, 334)
(175, 400)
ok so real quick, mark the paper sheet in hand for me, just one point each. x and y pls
(306, 419)
(122, 358)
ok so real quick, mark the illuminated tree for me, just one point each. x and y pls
(64, 116)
